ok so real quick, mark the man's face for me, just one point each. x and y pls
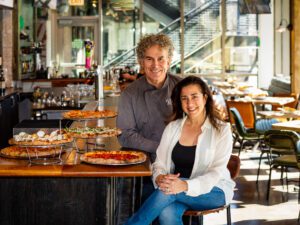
(156, 64)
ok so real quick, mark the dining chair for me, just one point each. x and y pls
(293, 104)
(286, 140)
(233, 166)
(246, 110)
(277, 150)
(244, 133)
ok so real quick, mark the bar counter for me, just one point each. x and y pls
(71, 193)
(61, 82)
(9, 92)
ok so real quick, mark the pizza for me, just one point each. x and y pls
(91, 132)
(25, 152)
(40, 138)
(89, 114)
(113, 157)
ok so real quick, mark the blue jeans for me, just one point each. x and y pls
(170, 208)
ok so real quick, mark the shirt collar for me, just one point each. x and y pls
(165, 85)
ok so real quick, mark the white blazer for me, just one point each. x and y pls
(212, 154)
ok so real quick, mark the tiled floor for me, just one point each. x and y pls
(250, 206)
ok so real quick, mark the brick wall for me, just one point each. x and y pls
(1, 29)
(7, 43)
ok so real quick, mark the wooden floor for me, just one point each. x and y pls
(250, 206)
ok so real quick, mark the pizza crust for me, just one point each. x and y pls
(12, 141)
(23, 152)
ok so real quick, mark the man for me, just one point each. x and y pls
(145, 105)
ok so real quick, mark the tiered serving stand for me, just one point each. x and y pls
(54, 158)
(89, 140)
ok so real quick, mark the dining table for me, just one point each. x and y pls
(268, 100)
(280, 114)
(293, 125)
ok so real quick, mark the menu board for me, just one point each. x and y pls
(7, 3)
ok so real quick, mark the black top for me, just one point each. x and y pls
(183, 158)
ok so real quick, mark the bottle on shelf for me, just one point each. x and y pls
(2, 78)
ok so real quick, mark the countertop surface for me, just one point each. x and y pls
(71, 165)
(9, 92)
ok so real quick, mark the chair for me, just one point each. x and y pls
(289, 141)
(234, 169)
(246, 110)
(293, 104)
(244, 133)
(279, 149)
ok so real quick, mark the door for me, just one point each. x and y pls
(72, 33)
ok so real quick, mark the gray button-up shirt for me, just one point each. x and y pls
(143, 112)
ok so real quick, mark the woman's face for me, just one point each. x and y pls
(156, 63)
(193, 100)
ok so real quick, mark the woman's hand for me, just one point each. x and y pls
(171, 183)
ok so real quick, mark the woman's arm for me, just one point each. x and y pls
(162, 164)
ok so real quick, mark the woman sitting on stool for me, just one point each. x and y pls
(190, 171)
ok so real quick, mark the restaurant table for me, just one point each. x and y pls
(293, 125)
(276, 101)
(280, 114)
(228, 92)
(223, 84)
(71, 193)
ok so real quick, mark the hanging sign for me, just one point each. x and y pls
(76, 2)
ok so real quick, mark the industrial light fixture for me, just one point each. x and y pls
(283, 26)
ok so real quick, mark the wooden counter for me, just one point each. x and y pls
(9, 92)
(73, 193)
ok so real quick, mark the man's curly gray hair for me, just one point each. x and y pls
(150, 40)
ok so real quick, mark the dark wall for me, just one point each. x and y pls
(53, 201)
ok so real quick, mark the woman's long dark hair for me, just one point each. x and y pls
(211, 110)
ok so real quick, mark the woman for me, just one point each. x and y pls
(190, 171)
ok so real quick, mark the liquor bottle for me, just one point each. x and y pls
(2, 79)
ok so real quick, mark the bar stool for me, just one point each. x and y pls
(234, 169)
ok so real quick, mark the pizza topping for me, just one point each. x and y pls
(92, 132)
(124, 156)
(40, 138)
(40, 133)
(113, 157)
(88, 114)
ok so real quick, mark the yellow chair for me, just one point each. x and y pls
(246, 110)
